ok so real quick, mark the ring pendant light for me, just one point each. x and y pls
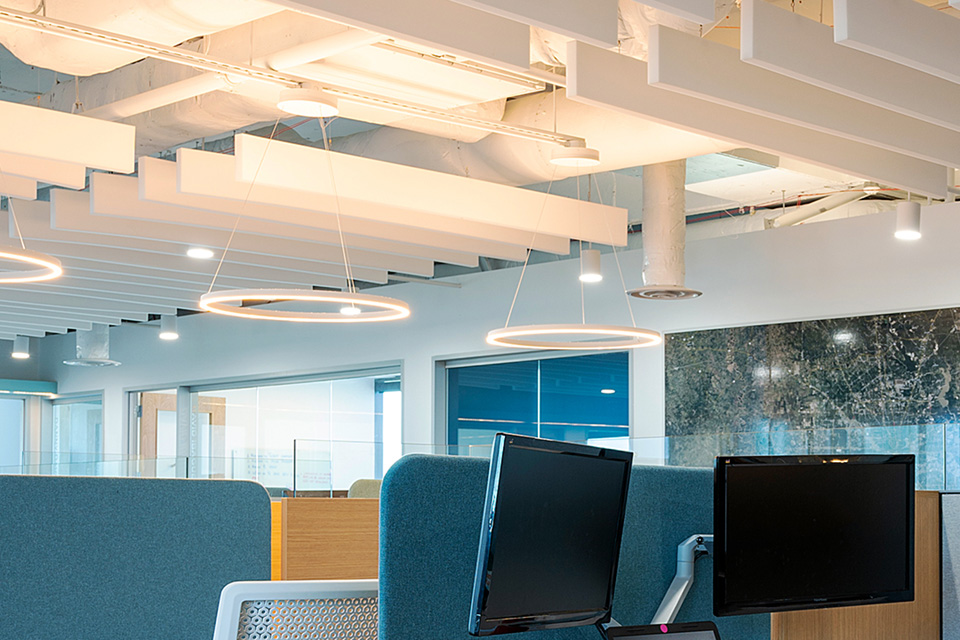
(353, 307)
(369, 308)
(572, 337)
(49, 267)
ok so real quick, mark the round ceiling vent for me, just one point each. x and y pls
(91, 362)
(665, 292)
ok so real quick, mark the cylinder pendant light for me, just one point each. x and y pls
(590, 266)
(21, 348)
(908, 221)
(168, 327)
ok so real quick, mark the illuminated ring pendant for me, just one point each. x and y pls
(50, 267)
(621, 337)
(371, 308)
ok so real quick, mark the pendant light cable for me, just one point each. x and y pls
(246, 198)
(533, 239)
(616, 256)
(348, 271)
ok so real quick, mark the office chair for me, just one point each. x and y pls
(298, 609)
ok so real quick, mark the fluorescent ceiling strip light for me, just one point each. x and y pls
(207, 63)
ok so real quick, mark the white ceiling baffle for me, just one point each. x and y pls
(697, 67)
(158, 183)
(593, 21)
(592, 78)
(812, 56)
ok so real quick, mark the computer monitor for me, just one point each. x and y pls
(809, 532)
(550, 540)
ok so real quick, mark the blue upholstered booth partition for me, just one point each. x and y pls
(125, 559)
(430, 513)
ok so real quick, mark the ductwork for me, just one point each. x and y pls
(168, 22)
(664, 232)
(93, 348)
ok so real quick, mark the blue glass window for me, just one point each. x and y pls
(579, 399)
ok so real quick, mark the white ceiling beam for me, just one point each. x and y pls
(14, 186)
(23, 330)
(282, 172)
(23, 326)
(55, 316)
(73, 301)
(712, 71)
(810, 55)
(609, 80)
(593, 21)
(902, 31)
(62, 174)
(214, 175)
(696, 11)
(158, 184)
(295, 270)
(114, 195)
(65, 137)
(441, 24)
(150, 275)
(246, 250)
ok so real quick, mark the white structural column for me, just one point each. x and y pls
(810, 55)
(607, 79)
(593, 21)
(664, 224)
(703, 69)
(902, 31)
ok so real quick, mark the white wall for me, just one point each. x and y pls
(835, 269)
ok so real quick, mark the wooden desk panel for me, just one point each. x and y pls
(276, 539)
(917, 620)
(330, 538)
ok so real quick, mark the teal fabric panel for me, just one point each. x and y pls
(125, 558)
(430, 521)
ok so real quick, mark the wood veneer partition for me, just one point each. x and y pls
(329, 538)
(917, 620)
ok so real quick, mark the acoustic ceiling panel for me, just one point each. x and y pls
(593, 21)
(596, 78)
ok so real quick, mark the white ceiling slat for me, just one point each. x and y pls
(149, 275)
(56, 315)
(362, 187)
(115, 195)
(72, 206)
(62, 174)
(158, 184)
(596, 77)
(325, 259)
(65, 137)
(902, 31)
(214, 175)
(22, 331)
(177, 261)
(17, 187)
(810, 55)
(147, 298)
(42, 309)
(435, 23)
(696, 11)
(593, 21)
(700, 68)
(23, 328)
(73, 301)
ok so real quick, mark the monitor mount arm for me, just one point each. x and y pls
(687, 553)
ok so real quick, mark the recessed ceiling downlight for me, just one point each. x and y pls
(200, 253)
(308, 101)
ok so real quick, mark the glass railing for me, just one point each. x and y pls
(329, 467)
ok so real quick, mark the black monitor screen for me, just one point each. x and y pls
(551, 537)
(812, 531)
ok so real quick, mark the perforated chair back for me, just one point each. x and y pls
(298, 609)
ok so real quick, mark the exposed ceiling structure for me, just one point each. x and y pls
(145, 129)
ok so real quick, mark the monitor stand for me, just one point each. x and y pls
(687, 553)
(603, 626)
